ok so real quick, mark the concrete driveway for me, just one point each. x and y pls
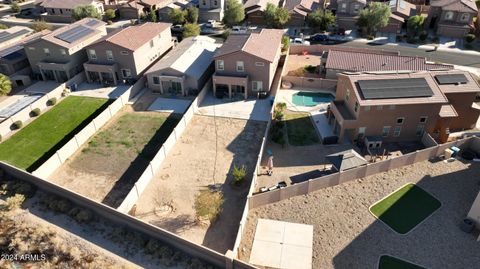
(251, 109)
(100, 91)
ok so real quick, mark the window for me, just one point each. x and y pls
(53, 11)
(347, 95)
(61, 11)
(240, 67)
(356, 8)
(215, 3)
(465, 17)
(46, 51)
(379, 107)
(423, 119)
(204, 2)
(356, 106)
(385, 131)
(220, 65)
(124, 52)
(400, 120)
(259, 64)
(361, 131)
(343, 7)
(63, 52)
(257, 86)
(391, 107)
(449, 15)
(156, 80)
(151, 43)
(126, 73)
(93, 54)
(109, 55)
(159, 36)
(420, 129)
(397, 131)
(367, 108)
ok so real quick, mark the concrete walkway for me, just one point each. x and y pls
(170, 105)
(100, 91)
(321, 124)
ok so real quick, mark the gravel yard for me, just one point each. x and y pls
(347, 235)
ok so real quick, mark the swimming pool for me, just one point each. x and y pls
(311, 98)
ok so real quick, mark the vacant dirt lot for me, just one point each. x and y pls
(107, 167)
(346, 235)
(204, 156)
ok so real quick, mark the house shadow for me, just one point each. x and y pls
(437, 242)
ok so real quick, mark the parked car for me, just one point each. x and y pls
(238, 30)
(318, 37)
(210, 23)
(340, 38)
(177, 28)
(379, 41)
(299, 41)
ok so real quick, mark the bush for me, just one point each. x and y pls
(470, 38)
(84, 215)
(423, 35)
(52, 101)
(310, 68)
(19, 187)
(36, 112)
(17, 125)
(13, 202)
(15, 7)
(110, 14)
(208, 204)
(239, 174)
(370, 37)
(436, 40)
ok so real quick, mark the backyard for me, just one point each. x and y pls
(36, 142)
(107, 167)
(300, 129)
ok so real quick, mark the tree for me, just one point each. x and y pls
(374, 17)
(15, 7)
(285, 42)
(177, 16)
(3, 26)
(192, 14)
(276, 17)
(269, 15)
(321, 20)
(85, 11)
(234, 13)
(415, 24)
(39, 26)
(110, 14)
(5, 85)
(191, 29)
(152, 16)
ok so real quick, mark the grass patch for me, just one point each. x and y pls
(49, 131)
(208, 204)
(300, 129)
(405, 208)
(389, 262)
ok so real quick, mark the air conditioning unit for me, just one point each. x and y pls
(448, 154)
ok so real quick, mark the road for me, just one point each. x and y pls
(434, 56)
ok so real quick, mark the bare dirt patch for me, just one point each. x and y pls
(205, 155)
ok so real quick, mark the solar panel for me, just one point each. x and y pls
(395, 88)
(451, 79)
(4, 33)
(20, 104)
(10, 50)
(92, 23)
(13, 35)
(75, 34)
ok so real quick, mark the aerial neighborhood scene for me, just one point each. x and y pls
(289, 134)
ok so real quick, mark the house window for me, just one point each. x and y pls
(257, 86)
(109, 55)
(204, 3)
(379, 107)
(391, 107)
(124, 52)
(151, 43)
(240, 67)
(46, 51)
(400, 120)
(423, 119)
(449, 15)
(361, 131)
(347, 95)
(93, 54)
(465, 17)
(356, 8)
(356, 106)
(259, 64)
(61, 11)
(385, 131)
(156, 80)
(215, 3)
(367, 108)
(220, 65)
(397, 131)
(126, 73)
(420, 129)
(63, 52)
(160, 36)
(343, 7)
(53, 11)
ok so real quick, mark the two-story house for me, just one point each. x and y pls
(211, 10)
(246, 64)
(347, 12)
(134, 9)
(61, 10)
(60, 54)
(255, 10)
(124, 55)
(299, 10)
(452, 18)
(13, 34)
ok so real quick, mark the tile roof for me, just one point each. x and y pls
(65, 3)
(447, 111)
(253, 5)
(97, 27)
(302, 7)
(20, 44)
(365, 61)
(470, 86)
(402, 8)
(136, 36)
(263, 45)
(455, 5)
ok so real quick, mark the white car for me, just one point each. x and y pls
(299, 41)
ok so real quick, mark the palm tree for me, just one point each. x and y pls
(5, 85)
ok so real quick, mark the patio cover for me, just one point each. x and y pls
(345, 160)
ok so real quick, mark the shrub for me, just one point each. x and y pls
(310, 68)
(15, 7)
(470, 38)
(52, 101)
(423, 35)
(110, 14)
(19, 187)
(152, 246)
(208, 204)
(36, 112)
(84, 215)
(436, 39)
(239, 174)
(13, 202)
(17, 125)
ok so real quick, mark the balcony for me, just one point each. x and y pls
(343, 115)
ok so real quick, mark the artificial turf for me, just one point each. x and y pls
(25, 148)
(300, 129)
(405, 208)
(389, 262)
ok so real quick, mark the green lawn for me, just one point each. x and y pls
(300, 129)
(405, 208)
(389, 262)
(49, 131)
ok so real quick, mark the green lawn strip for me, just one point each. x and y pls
(32, 142)
(389, 262)
(405, 208)
(300, 129)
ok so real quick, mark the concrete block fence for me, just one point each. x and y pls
(312, 84)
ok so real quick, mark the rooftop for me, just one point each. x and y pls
(20, 44)
(76, 33)
(346, 160)
(15, 32)
(456, 5)
(64, 3)
(456, 81)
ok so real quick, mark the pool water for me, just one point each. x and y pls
(311, 98)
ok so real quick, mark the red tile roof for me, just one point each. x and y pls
(455, 5)
(136, 36)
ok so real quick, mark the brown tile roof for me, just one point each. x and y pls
(263, 45)
(403, 8)
(455, 5)
(302, 7)
(254, 5)
(365, 61)
(448, 111)
(136, 36)
(65, 3)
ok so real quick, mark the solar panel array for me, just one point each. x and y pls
(395, 88)
(74, 34)
(4, 36)
(451, 79)
(20, 104)
(8, 51)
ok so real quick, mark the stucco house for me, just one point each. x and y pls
(133, 9)
(346, 12)
(61, 10)
(299, 10)
(211, 10)
(254, 10)
(164, 10)
(184, 70)
(245, 65)
(452, 18)
(124, 55)
(13, 34)
(60, 54)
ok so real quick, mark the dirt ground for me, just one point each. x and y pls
(346, 235)
(296, 62)
(190, 167)
(106, 168)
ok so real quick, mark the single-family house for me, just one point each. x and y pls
(347, 12)
(184, 70)
(164, 11)
(211, 10)
(254, 10)
(133, 9)
(13, 34)
(246, 64)
(452, 18)
(299, 10)
(60, 55)
(61, 10)
(125, 54)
